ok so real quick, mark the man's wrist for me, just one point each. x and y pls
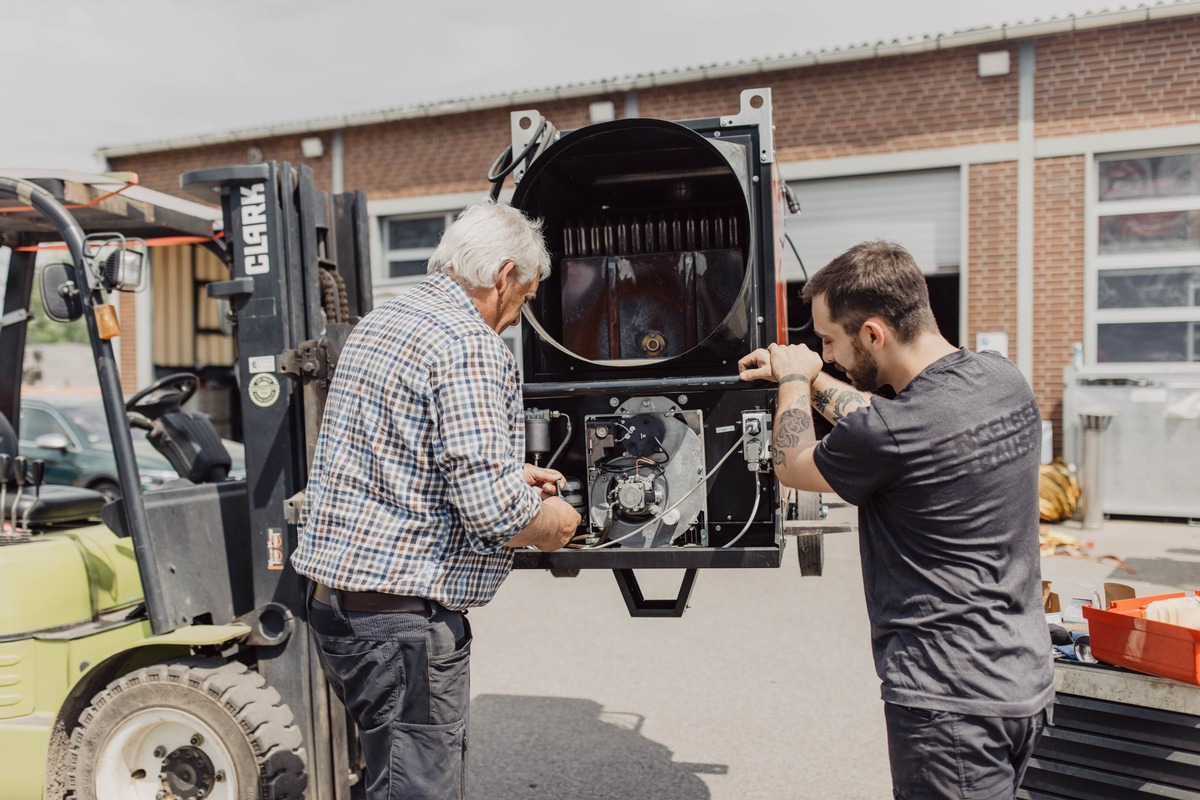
(794, 376)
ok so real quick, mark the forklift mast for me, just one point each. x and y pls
(300, 278)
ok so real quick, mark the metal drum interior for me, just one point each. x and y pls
(649, 226)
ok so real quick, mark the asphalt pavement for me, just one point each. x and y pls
(763, 689)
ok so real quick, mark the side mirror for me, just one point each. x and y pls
(52, 441)
(60, 293)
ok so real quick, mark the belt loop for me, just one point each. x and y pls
(336, 604)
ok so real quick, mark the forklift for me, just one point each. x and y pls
(162, 653)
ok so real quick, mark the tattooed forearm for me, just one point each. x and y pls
(789, 424)
(845, 402)
(834, 399)
(822, 398)
(792, 418)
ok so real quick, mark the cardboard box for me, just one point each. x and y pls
(1050, 599)
(1119, 635)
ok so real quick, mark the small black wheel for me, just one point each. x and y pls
(110, 489)
(192, 729)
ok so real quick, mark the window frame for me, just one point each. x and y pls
(1096, 262)
(388, 255)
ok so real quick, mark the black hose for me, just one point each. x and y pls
(505, 163)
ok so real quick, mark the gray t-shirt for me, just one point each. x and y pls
(945, 480)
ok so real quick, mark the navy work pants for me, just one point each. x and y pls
(405, 679)
(939, 755)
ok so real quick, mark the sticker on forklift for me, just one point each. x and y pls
(264, 390)
(274, 548)
(259, 364)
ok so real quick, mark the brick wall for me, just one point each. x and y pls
(1135, 76)
(991, 282)
(1058, 278)
(125, 346)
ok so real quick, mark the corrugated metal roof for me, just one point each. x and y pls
(525, 98)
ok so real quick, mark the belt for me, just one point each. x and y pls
(372, 602)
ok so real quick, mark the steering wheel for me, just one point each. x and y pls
(167, 393)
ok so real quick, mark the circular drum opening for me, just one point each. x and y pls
(648, 224)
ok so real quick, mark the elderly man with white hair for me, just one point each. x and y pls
(417, 495)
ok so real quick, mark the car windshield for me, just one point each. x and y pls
(92, 424)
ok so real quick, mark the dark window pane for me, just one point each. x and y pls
(1142, 341)
(1149, 233)
(1166, 287)
(89, 421)
(409, 234)
(405, 269)
(1141, 178)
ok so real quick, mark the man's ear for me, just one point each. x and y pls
(874, 334)
(506, 277)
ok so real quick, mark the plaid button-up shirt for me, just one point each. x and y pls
(417, 484)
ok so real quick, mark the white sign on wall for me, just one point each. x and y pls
(992, 340)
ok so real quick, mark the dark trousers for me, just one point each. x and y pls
(939, 755)
(405, 679)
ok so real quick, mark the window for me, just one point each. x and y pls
(921, 210)
(36, 423)
(1146, 258)
(409, 241)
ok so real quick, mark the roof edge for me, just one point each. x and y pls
(1164, 9)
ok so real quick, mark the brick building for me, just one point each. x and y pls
(1045, 175)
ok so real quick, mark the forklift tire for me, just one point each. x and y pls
(187, 729)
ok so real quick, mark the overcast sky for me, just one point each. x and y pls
(94, 73)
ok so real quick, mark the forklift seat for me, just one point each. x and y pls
(8, 437)
(192, 445)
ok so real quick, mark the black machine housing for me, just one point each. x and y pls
(665, 241)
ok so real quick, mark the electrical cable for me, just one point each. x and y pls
(808, 325)
(799, 260)
(753, 511)
(678, 502)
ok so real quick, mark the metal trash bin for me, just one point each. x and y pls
(1094, 425)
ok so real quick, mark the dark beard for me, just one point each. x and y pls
(864, 375)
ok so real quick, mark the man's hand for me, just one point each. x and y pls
(551, 529)
(777, 362)
(547, 481)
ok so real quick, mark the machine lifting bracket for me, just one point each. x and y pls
(307, 362)
(639, 606)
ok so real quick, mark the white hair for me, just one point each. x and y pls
(485, 236)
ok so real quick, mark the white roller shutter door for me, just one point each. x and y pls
(920, 210)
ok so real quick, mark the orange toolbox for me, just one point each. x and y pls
(1121, 636)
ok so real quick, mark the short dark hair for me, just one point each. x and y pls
(875, 279)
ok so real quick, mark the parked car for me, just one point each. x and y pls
(71, 435)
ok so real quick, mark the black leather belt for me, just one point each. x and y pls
(372, 602)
